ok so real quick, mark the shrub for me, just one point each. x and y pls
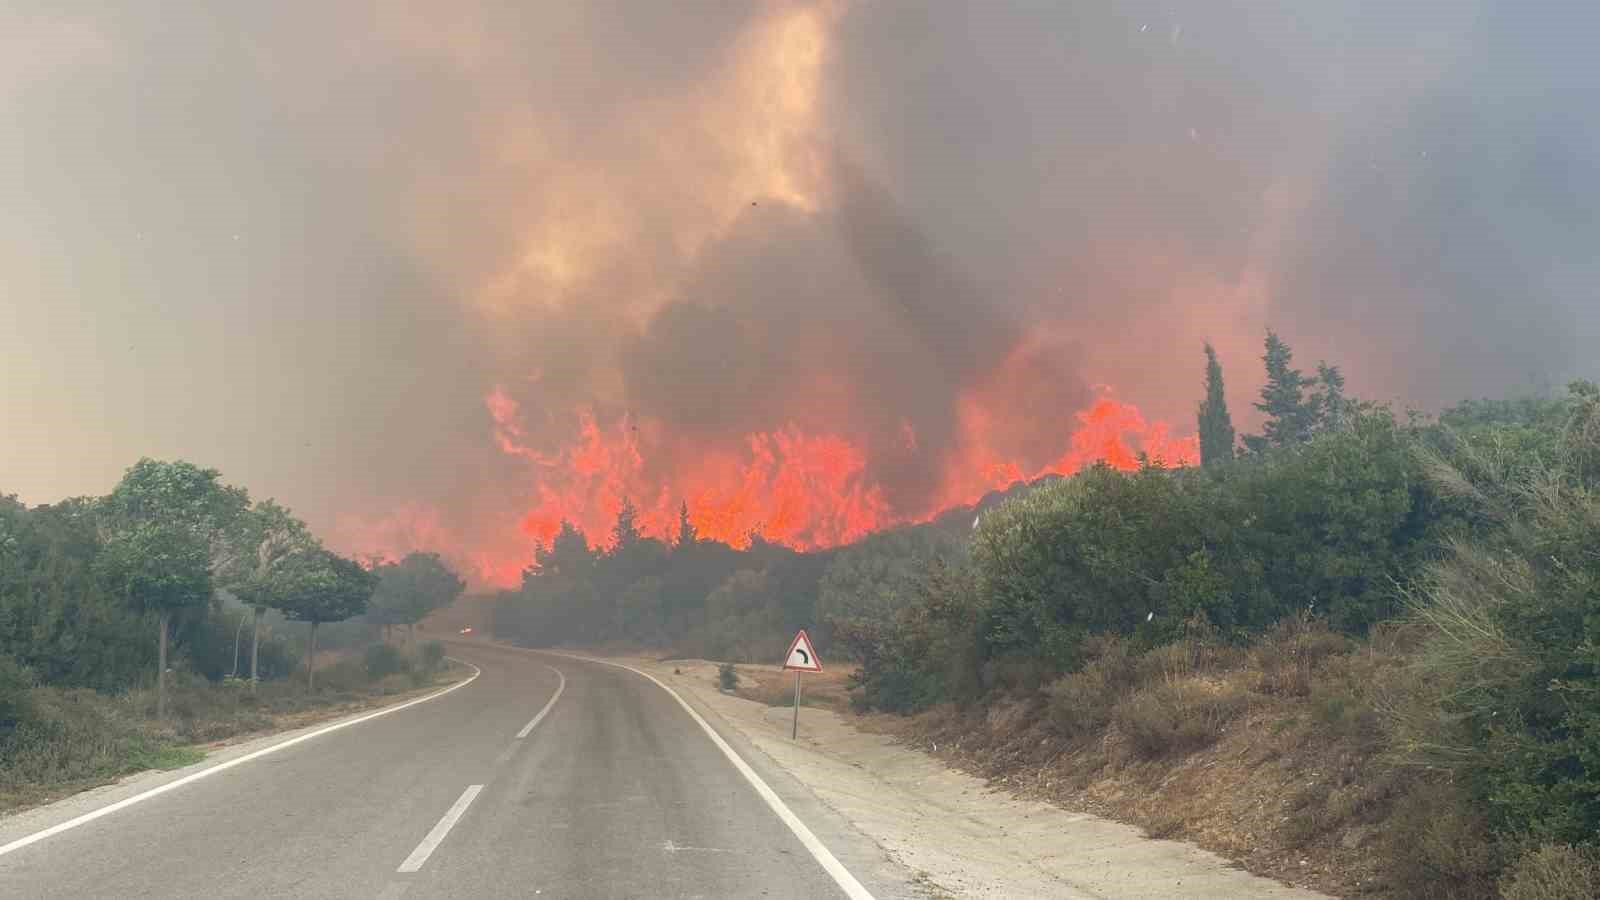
(14, 683)
(1177, 716)
(727, 676)
(1289, 654)
(1553, 872)
(432, 656)
(1080, 704)
(345, 676)
(383, 660)
(1438, 844)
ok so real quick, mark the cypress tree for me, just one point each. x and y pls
(1216, 425)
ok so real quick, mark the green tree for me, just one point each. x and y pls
(264, 539)
(167, 526)
(409, 590)
(686, 530)
(1216, 425)
(1333, 407)
(625, 532)
(322, 586)
(569, 554)
(59, 616)
(879, 575)
(1291, 416)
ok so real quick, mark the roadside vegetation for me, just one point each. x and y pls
(164, 615)
(1355, 650)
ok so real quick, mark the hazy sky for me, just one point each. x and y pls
(319, 246)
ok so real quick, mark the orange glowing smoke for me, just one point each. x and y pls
(802, 489)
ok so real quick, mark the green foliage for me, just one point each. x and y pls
(1507, 685)
(1290, 415)
(58, 615)
(409, 590)
(15, 680)
(1215, 424)
(383, 660)
(877, 576)
(727, 676)
(432, 654)
(926, 653)
(323, 586)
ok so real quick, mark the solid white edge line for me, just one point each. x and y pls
(547, 707)
(126, 802)
(841, 876)
(437, 835)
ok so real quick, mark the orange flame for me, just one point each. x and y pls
(802, 489)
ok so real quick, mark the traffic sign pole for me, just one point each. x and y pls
(794, 733)
(802, 657)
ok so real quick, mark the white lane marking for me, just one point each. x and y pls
(841, 876)
(126, 802)
(546, 711)
(432, 841)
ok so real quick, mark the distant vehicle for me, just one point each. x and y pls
(467, 630)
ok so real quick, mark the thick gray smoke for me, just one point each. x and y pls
(303, 245)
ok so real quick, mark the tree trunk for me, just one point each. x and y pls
(411, 634)
(255, 646)
(161, 670)
(311, 661)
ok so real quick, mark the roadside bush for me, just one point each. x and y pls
(383, 660)
(1553, 872)
(344, 676)
(1290, 652)
(727, 676)
(69, 735)
(15, 680)
(1177, 716)
(1080, 704)
(1504, 687)
(432, 656)
(1438, 844)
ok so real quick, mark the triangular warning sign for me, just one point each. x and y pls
(801, 656)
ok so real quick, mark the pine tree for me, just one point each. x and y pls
(686, 531)
(1216, 425)
(1333, 408)
(625, 533)
(1291, 417)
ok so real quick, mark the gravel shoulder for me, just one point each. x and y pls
(962, 837)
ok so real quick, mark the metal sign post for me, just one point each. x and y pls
(802, 657)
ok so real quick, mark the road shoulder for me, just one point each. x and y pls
(959, 836)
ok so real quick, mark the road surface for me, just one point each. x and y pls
(617, 790)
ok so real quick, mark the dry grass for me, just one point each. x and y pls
(1270, 755)
(774, 687)
(1553, 872)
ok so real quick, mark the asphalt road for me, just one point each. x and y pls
(617, 791)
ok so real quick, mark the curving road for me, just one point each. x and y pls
(544, 777)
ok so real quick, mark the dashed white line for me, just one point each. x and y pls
(546, 711)
(107, 810)
(437, 835)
